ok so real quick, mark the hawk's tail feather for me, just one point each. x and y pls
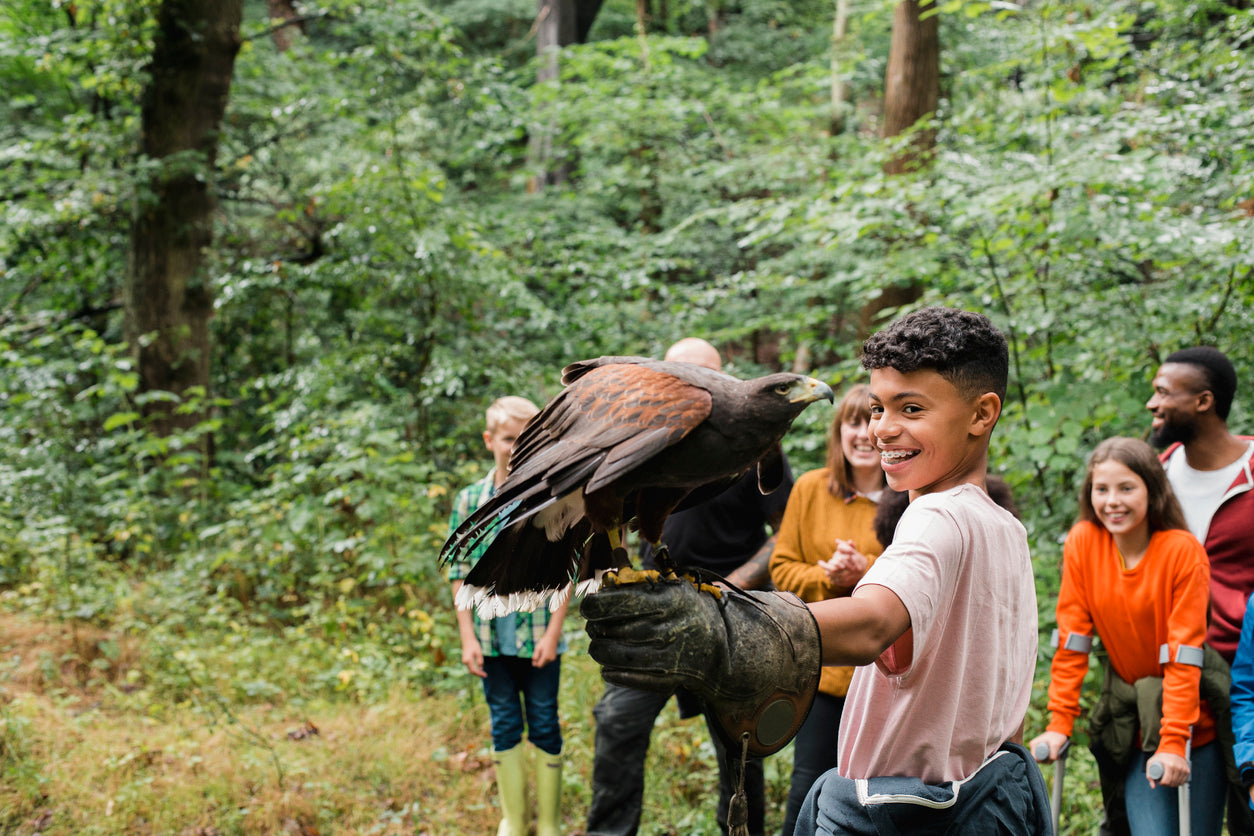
(521, 569)
(494, 515)
(520, 498)
(596, 559)
(489, 604)
(589, 586)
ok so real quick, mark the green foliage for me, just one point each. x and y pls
(68, 117)
(381, 273)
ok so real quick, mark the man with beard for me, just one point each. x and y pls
(1209, 471)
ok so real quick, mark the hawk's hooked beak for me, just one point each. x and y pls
(809, 390)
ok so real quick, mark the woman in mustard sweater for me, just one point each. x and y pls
(824, 545)
(1134, 576)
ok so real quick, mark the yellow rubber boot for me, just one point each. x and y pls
(548, 794)
(511, 784)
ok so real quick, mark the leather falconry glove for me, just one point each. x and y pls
(753, 657)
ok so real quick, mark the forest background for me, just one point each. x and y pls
(263, 265)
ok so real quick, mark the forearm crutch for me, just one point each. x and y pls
(1184, 814)
(1041, 753)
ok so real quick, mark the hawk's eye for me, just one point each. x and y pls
(783, 388)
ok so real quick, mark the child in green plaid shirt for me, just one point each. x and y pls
(517, 656)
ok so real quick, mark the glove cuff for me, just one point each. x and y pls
(776, 643)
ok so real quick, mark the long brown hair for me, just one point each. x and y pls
(1164, 511)
(854, 406)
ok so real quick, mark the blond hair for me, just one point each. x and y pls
(510, 407)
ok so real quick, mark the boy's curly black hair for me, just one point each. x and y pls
(963, 347)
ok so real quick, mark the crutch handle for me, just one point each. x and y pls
(1155, 773)
(1041, 752)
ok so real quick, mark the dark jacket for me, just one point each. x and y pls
(1005, 795)
(1126, 717)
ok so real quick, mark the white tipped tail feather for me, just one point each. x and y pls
(490, 605)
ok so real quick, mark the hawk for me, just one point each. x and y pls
(623, 444)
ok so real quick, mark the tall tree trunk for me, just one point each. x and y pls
(644, 14)
(840, 93)
(168, 297)
(911, 92)
(713, 18)
(585, 15)
(557, 24)
(912, 82)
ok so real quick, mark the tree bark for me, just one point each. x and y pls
(644, 14)
(168, 297)
(558, 23)
(912, 82)
(713, 18)
(585, 15)
(840, 94)
(911, 92)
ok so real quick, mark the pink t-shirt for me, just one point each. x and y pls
(956, 686)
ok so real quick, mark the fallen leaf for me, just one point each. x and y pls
(307, 730)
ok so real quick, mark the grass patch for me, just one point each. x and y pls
(86, 750)
(93, 740)
(367, 769)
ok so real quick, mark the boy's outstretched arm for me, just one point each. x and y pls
(856, 630)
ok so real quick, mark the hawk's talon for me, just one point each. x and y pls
(666, 564)
(667, 572)
(628, 575)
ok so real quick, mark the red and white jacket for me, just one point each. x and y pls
(1230, 547)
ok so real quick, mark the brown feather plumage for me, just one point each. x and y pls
(623, 443)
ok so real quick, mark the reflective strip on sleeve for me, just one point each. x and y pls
(1053, 638)
(1187, 654)
(1078, 643)
(1164, 654)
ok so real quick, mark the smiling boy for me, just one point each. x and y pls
(943, 625)
(949, 618)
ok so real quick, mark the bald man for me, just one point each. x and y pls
(729, 534)
(695, 350)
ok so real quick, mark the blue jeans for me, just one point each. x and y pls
(814, 752)
(519, 695)
(1154, 812)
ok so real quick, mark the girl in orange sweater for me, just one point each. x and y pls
(1134, 576)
